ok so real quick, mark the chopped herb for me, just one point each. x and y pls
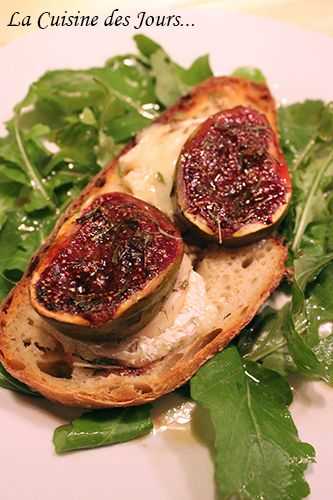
(120, 170)
(160, 177)
(89, 215)
(184, 284)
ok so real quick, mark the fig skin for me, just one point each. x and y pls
(232, 184)
(130, 247)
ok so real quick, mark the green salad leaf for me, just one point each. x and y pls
(102, 428)
(171, 80)
(313, 183)
(169, 84)
(146, 45)
(9, 382)
(307, 140)
(308, 225)
(290, 339)
(264, 340)
(258, 453)
(250, 73)
(310, 345)
(299, 125)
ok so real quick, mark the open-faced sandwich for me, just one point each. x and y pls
(161, 261)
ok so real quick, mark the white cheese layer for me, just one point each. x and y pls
(153, 345)
(185, 314)
(148, 168)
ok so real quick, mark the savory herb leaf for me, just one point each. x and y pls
(265, 335)
(289, 340)
(28, 165)
(299, 125)
(102, 428)
(307, 139)
(309, 328)
(198, 72)
(9, 382)
(311, 182)
(250, 73)
(171, 80)
(307, 267)
(169, 84)
(307, 133)
(304, 357)
(258, 451)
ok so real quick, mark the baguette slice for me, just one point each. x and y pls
(238, 281)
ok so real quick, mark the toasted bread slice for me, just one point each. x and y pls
(237, 281)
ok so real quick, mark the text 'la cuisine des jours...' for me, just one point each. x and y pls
(116, 19)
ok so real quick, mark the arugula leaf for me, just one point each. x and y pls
(311, 197)
(319, 299)
(198, 72)
(12, 173)
(289, 340)
(307, 132)
(307, 267)
(169, 85)
(307, 138)
(304, 357)
(64, 93)
(171, 80)
(102, 428)
(257, 450)
(9, 382)
(183, 78)
(9, 233)
(264, 335)
(146, 45)
(311, 350)
(299, 125)
(280, 361)
(28, 166)
(250, 73)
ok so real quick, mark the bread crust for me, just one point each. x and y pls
(17, 317)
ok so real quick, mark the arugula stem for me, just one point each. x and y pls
(301, 157)
(302, 223)
(35, 178)
(7, 279)
(258, 434)
(265, 352)
(127, 100)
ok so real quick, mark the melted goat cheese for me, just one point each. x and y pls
(153, 345)
(185, 314)
(148, 168)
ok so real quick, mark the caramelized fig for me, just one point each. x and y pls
(232, 181)
(107, 275)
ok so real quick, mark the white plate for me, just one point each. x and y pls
(172, 464)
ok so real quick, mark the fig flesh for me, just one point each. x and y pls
(232, 181)
(107, 276)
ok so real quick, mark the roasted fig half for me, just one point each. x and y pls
(232, 181)
(107, 275)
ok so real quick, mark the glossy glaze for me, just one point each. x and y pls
(119, 245)
(229, 174)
